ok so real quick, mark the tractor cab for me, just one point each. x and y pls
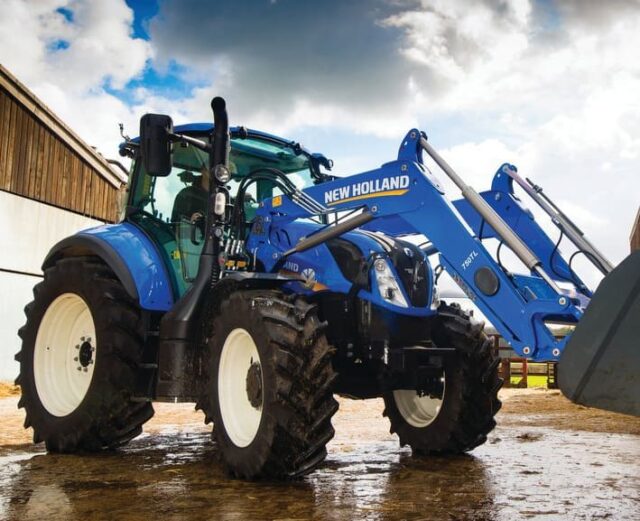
(171, 209)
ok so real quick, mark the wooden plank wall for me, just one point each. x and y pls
(35, 163)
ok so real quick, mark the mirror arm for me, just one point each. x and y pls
(181, 138)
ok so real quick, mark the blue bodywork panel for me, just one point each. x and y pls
(206, 128)
(143, 261)
(281, 236)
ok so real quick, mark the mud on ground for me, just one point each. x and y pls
(548, 408)
(547, 459)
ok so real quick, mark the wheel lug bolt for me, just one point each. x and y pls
(79, 368)
(77, 346)
(75, 359)
(85, 369)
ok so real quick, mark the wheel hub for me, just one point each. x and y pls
(64, 354)
(420, 408)
(254, 385)
(240, 394)
(85, 357)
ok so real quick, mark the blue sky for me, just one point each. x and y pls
(143, 11)
(549, 86)
(169, 80)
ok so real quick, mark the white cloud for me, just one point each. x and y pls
(456, 40)
(101, 46)
(71, 80)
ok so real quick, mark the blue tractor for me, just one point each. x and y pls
(247, 279)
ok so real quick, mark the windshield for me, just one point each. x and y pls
(183, 192)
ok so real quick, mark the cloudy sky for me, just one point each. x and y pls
(553, 87)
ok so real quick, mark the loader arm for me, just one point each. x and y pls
(502, 199)
(403, 197)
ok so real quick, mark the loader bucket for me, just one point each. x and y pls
(600, 366)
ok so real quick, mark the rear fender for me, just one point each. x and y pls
(132, 257)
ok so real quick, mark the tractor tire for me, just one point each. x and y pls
(80, 348)
(268, 385)
(460, 417)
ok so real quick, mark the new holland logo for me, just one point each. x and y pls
(309, 276)
(396, 185)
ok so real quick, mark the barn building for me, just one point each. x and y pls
(52, 184)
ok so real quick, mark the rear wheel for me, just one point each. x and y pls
(458, 416)
(80, 349)
(268, 386)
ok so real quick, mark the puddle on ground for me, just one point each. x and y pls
(523, 472)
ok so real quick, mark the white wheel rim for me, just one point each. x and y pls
(64, 354)
(241, 419)
(418, 411)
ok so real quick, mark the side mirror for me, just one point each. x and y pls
(155, 145)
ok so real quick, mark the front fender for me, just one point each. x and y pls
(132, 257)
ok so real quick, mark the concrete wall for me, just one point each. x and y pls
(29, 229)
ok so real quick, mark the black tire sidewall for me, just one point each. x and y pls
(239, 314)
(435, 432)
(60, 280)
(471, 390)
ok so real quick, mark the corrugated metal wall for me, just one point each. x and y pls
(29, 229)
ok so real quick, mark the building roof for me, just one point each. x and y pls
(43, 113)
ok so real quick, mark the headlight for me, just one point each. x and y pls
(222, 173)
(220, 203)
(387, 284)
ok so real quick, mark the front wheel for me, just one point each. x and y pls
(268, 385)
(458, 416)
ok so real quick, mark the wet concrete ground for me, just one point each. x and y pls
(536, 465)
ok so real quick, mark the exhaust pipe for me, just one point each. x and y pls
(178, 326)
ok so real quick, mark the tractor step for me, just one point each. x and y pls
(410, 358)
(417, 367)
(600, 366)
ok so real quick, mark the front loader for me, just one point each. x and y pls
(246, 278)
